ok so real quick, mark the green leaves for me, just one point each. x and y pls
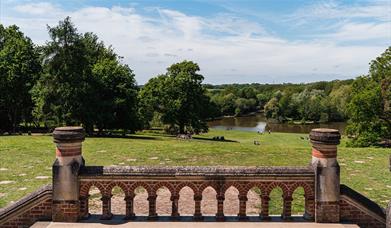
(178, 96)
(84, 83)
(19, 69)
(369, 108)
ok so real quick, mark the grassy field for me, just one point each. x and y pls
(25, 161)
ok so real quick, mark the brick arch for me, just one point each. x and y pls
(86, 186)
(145, 185)
(120, 184)
(269, 188)
(203, 186)
(263, 187)
(226, 186)
(156, 186)
(180, 186)
(308, 190)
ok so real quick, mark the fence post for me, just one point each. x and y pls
(327, 183)
(66, 204)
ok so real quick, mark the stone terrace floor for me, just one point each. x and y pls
(193, 225)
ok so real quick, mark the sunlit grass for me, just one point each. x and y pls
(24, 158)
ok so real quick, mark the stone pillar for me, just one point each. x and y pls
(327, 186)
(220, 207)
(84, 207)
(242, 207)
(174, 210)
(152, 207)
(106, 207)
(309, 208)
(265, 207)
(287, 207)
(129, 207)
(197, 207)
(66, 204)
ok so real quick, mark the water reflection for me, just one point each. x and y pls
(258, 123)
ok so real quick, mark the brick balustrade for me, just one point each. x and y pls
(67, 201)
(244, 179)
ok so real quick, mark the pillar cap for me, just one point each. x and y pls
(325, 136)
(69, 134)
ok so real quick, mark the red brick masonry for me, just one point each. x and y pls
(38, 206)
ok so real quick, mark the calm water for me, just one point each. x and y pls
(258, 123)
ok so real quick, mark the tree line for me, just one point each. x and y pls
(75, 79)
(364, 102)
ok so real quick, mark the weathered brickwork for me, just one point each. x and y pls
(34, 207)
(198, 186)
(357, 216)
(41, 212)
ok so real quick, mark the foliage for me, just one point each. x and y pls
(179, 96)
(369, 108)
(319, 101)
(83, 82)
(19, 69)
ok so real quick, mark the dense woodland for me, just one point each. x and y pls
(75, 79)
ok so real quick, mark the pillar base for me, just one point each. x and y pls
(65, 211)
(327, 212)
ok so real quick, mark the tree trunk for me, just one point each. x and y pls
(181, 128)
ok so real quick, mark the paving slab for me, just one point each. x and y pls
(193, 225)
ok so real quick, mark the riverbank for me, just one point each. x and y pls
(259, 123)
(26, 160)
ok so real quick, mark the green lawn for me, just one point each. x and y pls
(24, 158)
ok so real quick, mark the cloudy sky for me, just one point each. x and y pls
(265, 41)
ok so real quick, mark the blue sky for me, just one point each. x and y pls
(244, 41)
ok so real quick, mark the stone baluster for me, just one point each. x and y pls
(265, 207)
(174, 211)
(129, 207)
(327, 184)
(152, 207)
(84, 210)
(287, 207)
(197, 207)
(242, 207)
(106, 207)
(309, 207)
(69, 160)
(220, 207)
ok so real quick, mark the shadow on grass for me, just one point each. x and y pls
(124, 137)
(214, 140)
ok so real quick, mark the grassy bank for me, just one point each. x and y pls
(25, 161)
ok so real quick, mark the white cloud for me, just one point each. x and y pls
(380, 10)
(39, 9)
(219, 44)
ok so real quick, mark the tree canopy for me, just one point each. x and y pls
(19, 69)
(179, 97)
(83, 82)
(369, 108)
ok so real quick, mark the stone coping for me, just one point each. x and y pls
(41, 192)
(233, 171)
(362, 200)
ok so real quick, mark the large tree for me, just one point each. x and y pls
(84, 83)
(19, 69)
(179, 96)
(369, 108)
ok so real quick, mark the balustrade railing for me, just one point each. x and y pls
(197, 179)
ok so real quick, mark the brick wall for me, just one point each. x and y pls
(356, 208)
(28, 210)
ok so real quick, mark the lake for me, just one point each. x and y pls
(258, 122)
